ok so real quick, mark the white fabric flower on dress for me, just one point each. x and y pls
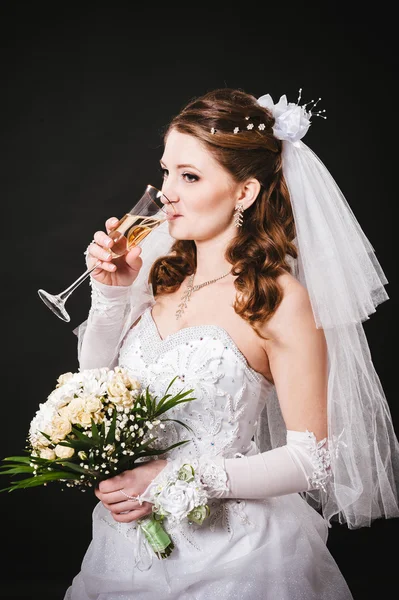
(177, 499)
(212, 476)
(291, 120)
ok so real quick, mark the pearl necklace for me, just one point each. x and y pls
(193, 288)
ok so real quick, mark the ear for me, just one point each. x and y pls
(248, 192)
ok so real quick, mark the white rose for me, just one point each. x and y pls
(76, 409)
(64, 451)
(47, 453)
(292, 125)
(38, 441)
(130, 382)
(95, 407)
(58, 429)
(291, 120)
(126, 400)
(177, 499)
(84, 419)
(116, 387)
(64, 378)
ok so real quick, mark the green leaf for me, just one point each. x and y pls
(26, 459)
(16, 469)
(30, 482)
(75, 444)
(159, 451)
(180, 423)
(110, 439)
(170, 404)
(171, 383)
(148, 402)
(76, 468)
(82, 437)
(178, 396)
(95, 436)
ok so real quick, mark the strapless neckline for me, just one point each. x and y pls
(200, 329)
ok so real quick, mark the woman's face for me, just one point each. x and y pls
(202, 191)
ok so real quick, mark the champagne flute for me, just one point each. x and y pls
(149, 212)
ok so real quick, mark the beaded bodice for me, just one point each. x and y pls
(229, 394)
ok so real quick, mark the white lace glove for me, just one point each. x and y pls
(301, 465)
(109, 305)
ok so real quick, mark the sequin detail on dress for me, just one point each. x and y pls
(321, 461)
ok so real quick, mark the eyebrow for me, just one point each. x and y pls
(185, 166)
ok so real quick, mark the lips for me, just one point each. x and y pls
(172, 217)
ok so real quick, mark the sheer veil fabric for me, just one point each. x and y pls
(337, 265)
(345, 282)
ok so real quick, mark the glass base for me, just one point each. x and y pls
(54, 304)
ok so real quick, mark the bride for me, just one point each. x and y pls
(253, 293)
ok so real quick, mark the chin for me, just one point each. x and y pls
(173, 231)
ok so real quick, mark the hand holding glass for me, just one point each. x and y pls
(149, 212)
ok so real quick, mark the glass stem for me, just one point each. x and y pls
(66, 293)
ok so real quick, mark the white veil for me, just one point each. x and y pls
(345, 282)
(337, 265)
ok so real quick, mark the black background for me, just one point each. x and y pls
(85, 94)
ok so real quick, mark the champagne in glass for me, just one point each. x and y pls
(131, 230)
(149, 212)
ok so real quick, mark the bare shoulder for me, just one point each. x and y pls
(294, 316)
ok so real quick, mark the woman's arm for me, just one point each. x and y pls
(297, 355)
(101, 339)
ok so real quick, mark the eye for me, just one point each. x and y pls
(164, 172)
(190, 178)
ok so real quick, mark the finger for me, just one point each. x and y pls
(117, 497)
(133, 259)
(102, 239)
(122, 506)
(103, 266)
(111, 223)
(131, 516)
(97, 251)
(112, 484)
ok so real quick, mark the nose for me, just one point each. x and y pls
(169, 198)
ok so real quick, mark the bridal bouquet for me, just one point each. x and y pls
(95, 424)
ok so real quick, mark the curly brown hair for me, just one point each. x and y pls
(258, 253)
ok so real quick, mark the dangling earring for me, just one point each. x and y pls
(238, 215)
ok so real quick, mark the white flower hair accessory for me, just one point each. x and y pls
(292, 121)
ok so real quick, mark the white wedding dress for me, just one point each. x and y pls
(271, 549)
